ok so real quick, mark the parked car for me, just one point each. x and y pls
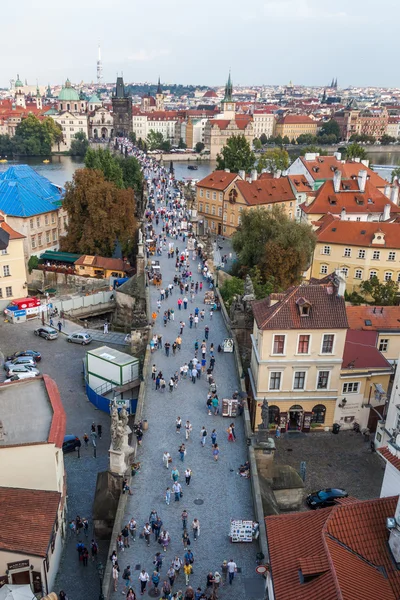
(22, 369)
(70, 443)
(80, 337)
(326, 497)
(19, 376)
(32, 353)
(48, 333)
(21, 360)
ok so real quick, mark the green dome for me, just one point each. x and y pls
(94, 99)
(68, 93)
(18, 83)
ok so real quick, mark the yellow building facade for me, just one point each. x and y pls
(292, 126)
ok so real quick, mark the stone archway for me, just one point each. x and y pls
(295, 417)
(104, 133)
(95, 134)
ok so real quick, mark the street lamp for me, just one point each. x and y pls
(100, 570)
(218, 270)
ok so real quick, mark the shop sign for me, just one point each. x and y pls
(20, 564)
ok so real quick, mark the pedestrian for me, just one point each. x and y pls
(206, 331)
(115, 574)
(177, 489)
(167, 496)
(182, 326)
(232, 426)
(216, 583)
(230, 434)
(147, 533)
(171, 384)
(132, 529)
(158, 561)
(184, 517)
(155, 578)
(215, 452)
(86, 439)
(165, 538)
(174, 347)
(85, 556)
(94, 549)
(158, 381)
(203, 436)
(232, 569)
(178, 424)
(177, 565)
(188, 557)
(182, 452)
(126, 576)
(163, 385)
(157, 528)
(185, 303)
(196, 528)
(62, 595)
(179, 342)
(131, 594)
(187, 569)
(277, 432)
(191, 319)
(105, 327)
(188, 429)
(166, 587)
(143, 578)
(114, 557)
(194, 375)
(211, 314)
(125, 536)
(188, 476)
(174, 474)
(224, 572)
(59, 325)
(99, 430)
(215, 404)
(167, 346)
(196, 321)
(166, 459)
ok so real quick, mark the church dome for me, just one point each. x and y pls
(94, 99)
(18, 83)
(68, 93)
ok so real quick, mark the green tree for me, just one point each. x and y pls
(263, 138)
(165, 146)
(53, 130)
(306, 138)
(6, 147)
(331, 128)
(233, 286)
(383, 294)
(285, 140)
(104, 161)
(395, 173)
(182, 144)
(387, 139)
(199, 147)
(32, 263)
(79, 145)
(99, 215)
(355, 151)
(154, 139)
(313, 149)
(257, 145)
(132, 137)
(281, 248)
(276, 159)
(35, 138)
(131, 172)
(262, 288)
(236, 155)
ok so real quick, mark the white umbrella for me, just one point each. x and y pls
(16, 592)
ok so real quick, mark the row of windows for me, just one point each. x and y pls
(46, 220)
(50, 236)
(214, 194)
(376, 254)
(359, 273)
(8, 292)
(303, 346)
(299, 380)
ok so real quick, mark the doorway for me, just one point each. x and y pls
(296, 416)
(219, 229)
(21, 578)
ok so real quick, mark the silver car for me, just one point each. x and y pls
(21, 360)
(15, 369)
(80, 337)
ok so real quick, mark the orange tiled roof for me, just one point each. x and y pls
(360, 351)
(333, 230)
(350, 198)
(32, 512)
(14, 235)
(265, 191)
(382, 318)
(241, 122)
(387, 455)
(324, 167)
(218, 180)
(296, 119)
(112, 264)
(300, 183)
(341, 553)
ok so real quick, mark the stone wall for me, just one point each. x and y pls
(64, 283)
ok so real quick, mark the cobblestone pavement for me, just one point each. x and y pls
(342, 460)
(222, 492)
(63, 362)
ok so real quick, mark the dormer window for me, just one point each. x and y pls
(304, 307)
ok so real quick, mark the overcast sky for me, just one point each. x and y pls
(197, 41)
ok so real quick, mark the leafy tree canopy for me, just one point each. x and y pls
(155, 140)
(236, 155)
(331, 128)
(199, 147)
(263, 138)
(383, 294)
(313, 149)
(257, 145)
(79, 145)
(395, 173)
(104, 161)
(131, 172)
(276, 159)
(354, 150)
(34, 137)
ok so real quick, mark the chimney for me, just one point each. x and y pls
(357, 159)
(242, 174)
(264, 171)
(362, 180)
(343, 214)
(365, 162)
(341, 282)
(337, 177)
(311, 155)
(277, 174)
(337, 155)
(386, 191)
(394, 194)
(386, 212)
(254, 174)
(227, 170)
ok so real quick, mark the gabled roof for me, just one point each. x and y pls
(333, 230)
(300, 183)
(341, 552)
(389, 457)
(350, 198)
(112, 264)
(360, 351)
(328, 310)
(218, 180)
(382, 318)
(265, 191)
(14, 235)
(32, 512)
(24, 193)
(324, 167)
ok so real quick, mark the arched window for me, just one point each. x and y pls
(274, 415)
(318, 414)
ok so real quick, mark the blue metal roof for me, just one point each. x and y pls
(24, 193)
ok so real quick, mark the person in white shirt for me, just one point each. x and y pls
(143, 578)
(166, 461)
(177, 489)
(188, 429)
(232, 567)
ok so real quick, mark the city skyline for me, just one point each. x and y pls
(189, 46)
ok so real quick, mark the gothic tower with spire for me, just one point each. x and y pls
(159, 97)
(228, 105)
(122, 109)
(39, 103)
(99, 68)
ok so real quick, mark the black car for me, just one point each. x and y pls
(70, 443)
(32, 353)
(326, 497)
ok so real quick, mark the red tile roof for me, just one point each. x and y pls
(14, 235)
(265, 191)
(27, 519)
(382, 318)
(241, 122)
(296, 119)
(333, 230)
(112, 264)
(324, 167)
(300, 183)
(387, 455)
(218, 180)
(351, 199)
(360, 351)
(59, 419)
(328, 310)
(341, 552)
(210, 94)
